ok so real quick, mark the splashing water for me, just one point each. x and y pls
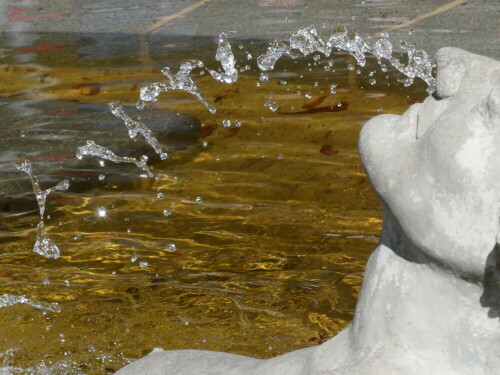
(41, 195)
(419, 63)
(135, 127)
(274, 52)
(11, 299)
(93, 149)
(63, 367)
(225, 55)
(179, 81)
(44, 245)
(307, 41)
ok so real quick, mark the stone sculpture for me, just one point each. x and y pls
(430, 300)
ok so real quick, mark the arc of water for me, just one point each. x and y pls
(306, 41)
(135, 127)
(94, 150)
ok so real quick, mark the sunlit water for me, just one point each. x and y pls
(251, 239)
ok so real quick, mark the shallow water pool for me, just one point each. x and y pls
(252, 238)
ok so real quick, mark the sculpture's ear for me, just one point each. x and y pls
(450, 70)
(494, 107)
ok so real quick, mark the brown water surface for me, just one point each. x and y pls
(272, 222)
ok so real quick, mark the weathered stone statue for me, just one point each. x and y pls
(430, 300)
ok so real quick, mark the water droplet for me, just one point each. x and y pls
(264, 77)
(198, 200)
(129, 230)
(101, 177)
(282, 82)
(101, 162)
(139, 105)
(237, 123)
(271, 105)
(167, 213)
(204, 143)
(372, 81)
(46, 280)
(171, 246)
(143, 264)
(332, 88)
(133, 258)
(226, 123)
(379, 109)
(308, 96)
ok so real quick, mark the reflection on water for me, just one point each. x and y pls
(252, 239)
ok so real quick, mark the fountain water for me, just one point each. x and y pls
(305, 41)
(93, 149)
(44, 245)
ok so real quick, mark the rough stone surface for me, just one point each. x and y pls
(430, 301)
(472, 24)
